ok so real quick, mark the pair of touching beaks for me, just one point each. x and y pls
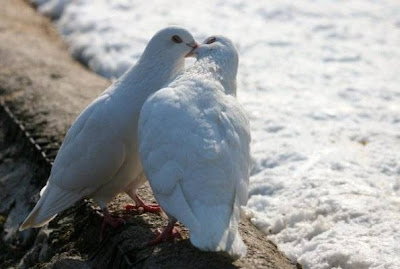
(194, 45)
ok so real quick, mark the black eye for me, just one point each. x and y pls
(177, 39)
(211, 40)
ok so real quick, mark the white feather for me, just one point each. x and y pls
(99, 157)
(194, 142)
(53, 200)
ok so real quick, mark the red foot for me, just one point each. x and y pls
(144, 208)
(108, 220)
(169, 233)
(141, 207)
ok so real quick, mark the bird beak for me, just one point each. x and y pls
(194, 46)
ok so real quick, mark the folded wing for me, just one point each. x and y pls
(87, 159)
(194, 145)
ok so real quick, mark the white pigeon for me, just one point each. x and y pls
(99, 157)
(194, 143)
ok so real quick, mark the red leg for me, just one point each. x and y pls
(141, 207)
(169, 233)
(108, 220)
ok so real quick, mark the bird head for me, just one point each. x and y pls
(170, 44)
(221, 51)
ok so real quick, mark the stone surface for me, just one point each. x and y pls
(42, 90)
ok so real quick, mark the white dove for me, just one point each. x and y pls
(99, 157)
(194, 143)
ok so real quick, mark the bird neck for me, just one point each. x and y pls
(152, 73)
(228, 81)
(218, 71)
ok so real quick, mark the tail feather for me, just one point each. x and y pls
(217, 233)
(231, 242)
(52, 201)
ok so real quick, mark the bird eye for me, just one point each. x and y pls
(177, 39)
(211, 40)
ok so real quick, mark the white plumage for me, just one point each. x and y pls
(99, 157)
(194, 143)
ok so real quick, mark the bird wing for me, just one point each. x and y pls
(159, 145)
(90, 154)
(237, 126)
(87, 159)
(194, 146)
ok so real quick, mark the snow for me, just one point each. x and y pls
(321, 83)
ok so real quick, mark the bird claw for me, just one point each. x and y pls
(143, 208)
(163, 236)
(114, 222)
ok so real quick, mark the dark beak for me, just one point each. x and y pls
(194, 46)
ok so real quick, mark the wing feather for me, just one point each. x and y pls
(88, 157)
(196, 154)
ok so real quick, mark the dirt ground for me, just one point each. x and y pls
(42, 90)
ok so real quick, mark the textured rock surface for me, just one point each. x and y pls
(42, 90)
